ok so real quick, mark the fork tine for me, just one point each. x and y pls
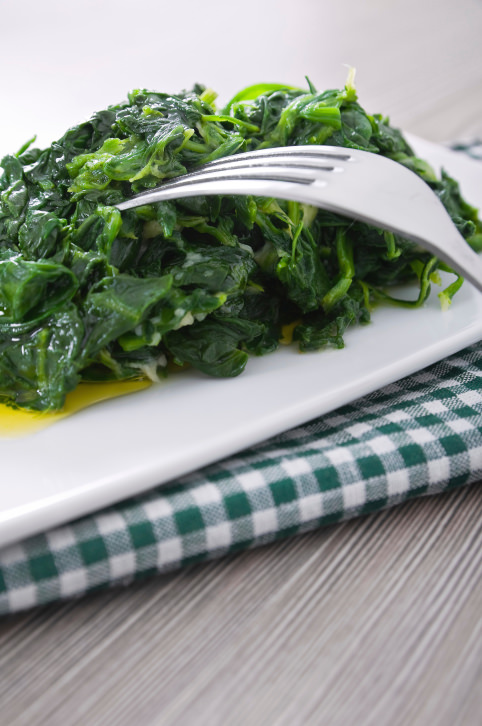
(305, 161)
(290, 167)
(270, 161)
(314, 151)
(270, 184)
(208, 181)
(305, 164)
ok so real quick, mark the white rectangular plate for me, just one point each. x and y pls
(119, 448)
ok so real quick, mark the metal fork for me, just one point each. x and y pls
(350, 182)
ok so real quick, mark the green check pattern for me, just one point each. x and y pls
(419, 436)
(472, 148)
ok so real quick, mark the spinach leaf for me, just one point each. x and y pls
(88, 293)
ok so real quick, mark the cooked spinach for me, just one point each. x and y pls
(88, 293)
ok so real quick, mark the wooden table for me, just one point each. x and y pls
(373, 621)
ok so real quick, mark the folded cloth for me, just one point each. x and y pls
(473, 148)
(419, 436)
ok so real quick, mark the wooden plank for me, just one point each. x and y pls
(376, 620)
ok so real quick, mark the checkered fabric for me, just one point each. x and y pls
(422, 435)
(472, 148)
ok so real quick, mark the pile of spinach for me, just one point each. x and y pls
(90, 294)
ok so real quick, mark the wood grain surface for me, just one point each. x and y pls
(373, 622)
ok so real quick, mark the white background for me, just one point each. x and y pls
(62, 59)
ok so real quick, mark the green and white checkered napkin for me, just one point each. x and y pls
(422, 435)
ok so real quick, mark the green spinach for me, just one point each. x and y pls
(88, 293)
